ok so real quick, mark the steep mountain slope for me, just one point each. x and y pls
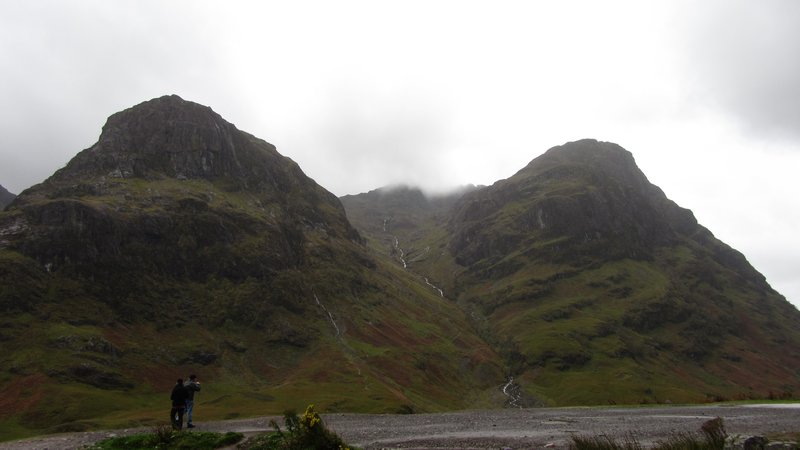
(178, 243)
(596, 288)
(5, 197)
(407, 226)
(399, 208)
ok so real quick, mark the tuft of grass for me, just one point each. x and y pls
(712, 437)
(604, 443)
(714, 431)
(792, 436)
(164, 437)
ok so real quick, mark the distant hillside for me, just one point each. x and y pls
(5, 197)
(393, 210)
(409, 228)
(177, 244)
(596, 287)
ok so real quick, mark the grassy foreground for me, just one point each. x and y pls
(301, 433)
(164, 437)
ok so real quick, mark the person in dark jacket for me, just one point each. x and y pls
(178, 397)
(191, 386)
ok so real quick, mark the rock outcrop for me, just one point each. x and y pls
(153, 178)
(589, 194)
(5, 197)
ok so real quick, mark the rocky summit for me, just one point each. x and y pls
(179, 244)
(5, 197)
(167, 173)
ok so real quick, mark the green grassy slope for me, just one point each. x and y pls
(597, 289)
(75, 359)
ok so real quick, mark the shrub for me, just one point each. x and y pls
(162, 434)
(306, 432)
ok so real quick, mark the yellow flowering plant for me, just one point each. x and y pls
(310, 418)
(306, 432)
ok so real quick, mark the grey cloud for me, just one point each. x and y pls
(781, 267)
(375, 142)
(744, 57)
(71, 65)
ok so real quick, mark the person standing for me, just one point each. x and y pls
(191, 386)
(178, 397)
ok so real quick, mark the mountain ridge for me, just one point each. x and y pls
(177, 244)
(578, 265)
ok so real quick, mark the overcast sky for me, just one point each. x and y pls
(706, 95)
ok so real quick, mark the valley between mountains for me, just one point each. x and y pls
(180, 244)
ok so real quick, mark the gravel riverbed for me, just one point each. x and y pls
(498, 429)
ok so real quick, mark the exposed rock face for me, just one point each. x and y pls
(5, 197)
(592, 202)
(590, 192)
(170, 137)
(169, 141)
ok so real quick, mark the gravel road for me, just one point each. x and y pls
(498, 429)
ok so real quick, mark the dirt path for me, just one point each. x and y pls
(499, 429)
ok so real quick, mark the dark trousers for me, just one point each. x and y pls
(176, 416)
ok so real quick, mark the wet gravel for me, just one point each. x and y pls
(498, 429)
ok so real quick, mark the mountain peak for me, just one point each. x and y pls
(162, 112)
(607, 158)
(173, 138)
(590, 148)
(589, 192)
(169, 140)
(578, 268)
